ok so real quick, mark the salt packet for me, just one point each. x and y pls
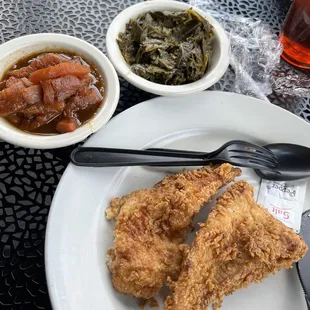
(284, 200)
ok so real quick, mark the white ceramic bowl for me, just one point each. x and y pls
(13, 50)
(219, 62)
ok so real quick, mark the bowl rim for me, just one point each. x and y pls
(18, 137)
(209, 79)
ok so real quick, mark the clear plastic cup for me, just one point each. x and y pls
(295, 35)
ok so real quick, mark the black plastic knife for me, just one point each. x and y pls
(303, 266)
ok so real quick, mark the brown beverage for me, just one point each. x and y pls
(295, 35)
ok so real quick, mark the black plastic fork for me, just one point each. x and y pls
(238, 153)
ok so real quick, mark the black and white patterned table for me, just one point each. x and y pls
(28, 178)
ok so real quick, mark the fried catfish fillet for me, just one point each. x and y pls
(240, 243)
(152, 223)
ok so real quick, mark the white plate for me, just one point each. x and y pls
(78, 234)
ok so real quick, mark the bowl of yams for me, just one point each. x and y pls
(55, 90)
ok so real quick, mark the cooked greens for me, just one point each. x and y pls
(171, 48)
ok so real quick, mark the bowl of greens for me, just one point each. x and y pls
(168, 47)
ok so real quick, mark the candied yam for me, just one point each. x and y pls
(12, 80)
(59, 70)
(9, 92)
(40, 62)
(83, 100)
(26, 82)
(66, 86)
(49, 59)
(11, 100)
(32, 95)
(18, 97)
(22, 72)
(35, 109)
(67, 125)
(40, 109)
(62, 88)
(48, 92)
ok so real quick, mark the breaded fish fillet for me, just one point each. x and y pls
(240, 243)
(152, 223)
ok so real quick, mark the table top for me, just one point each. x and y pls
(28, 178)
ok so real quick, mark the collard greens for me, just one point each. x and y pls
(166, 47)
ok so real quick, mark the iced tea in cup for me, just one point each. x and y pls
(295, 35)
